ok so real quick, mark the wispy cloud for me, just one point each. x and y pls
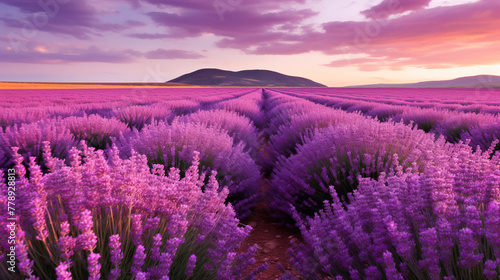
(42, 53)
(394, 7)
(172, 54)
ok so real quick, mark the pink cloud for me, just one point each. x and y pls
(442, 37)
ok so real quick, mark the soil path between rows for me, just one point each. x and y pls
(272, 238)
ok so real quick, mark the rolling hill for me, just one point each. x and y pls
(480, 81)
(250, 78)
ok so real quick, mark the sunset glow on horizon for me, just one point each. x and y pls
(333, 43)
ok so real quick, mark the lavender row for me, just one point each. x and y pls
(227, 141)
(480, 127)
(315, 147)
(382, 200)
(442, 223)
(111, 218)
(26, 106)
(461, 99)
(248, 105)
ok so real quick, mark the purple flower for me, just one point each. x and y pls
(141, 276)
(216, 150)
(29, 138)
(116, 255)
(182, 205)
(24, 263)
(240, 128)
(94, 266)
(62, 271)
(136, 228)
(390, 267)
(87, 240)
(191, 265)
(156, 247)
(372, 273)
(139, 258)
(430, 261)
(490, 271)
(66, 243)
(467, 246)
(492, 225)
(338, 155)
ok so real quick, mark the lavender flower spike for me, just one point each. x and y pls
(191, 265)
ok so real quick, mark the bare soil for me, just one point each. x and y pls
(273, 240)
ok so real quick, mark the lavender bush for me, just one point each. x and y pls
(287, 138)
(240, 128)
(174, 145)
(483, 136)
(17, 116)
(29, 139)
(95, 130)
(454, 125)
(138, 116)
(97, 219)
(338, 155)
(425, 119)
(443, 223)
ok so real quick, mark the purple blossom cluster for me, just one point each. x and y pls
(440, 223)
(101, 218)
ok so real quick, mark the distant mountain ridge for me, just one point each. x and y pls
(250, 78)
(479, 81)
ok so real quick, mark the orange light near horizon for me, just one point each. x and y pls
(41, 49)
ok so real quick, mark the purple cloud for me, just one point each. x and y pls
(39, 54)
(239, 23)
(246, 24)
(79, 19)
(150, 36)
(171, 54)
(394, 7)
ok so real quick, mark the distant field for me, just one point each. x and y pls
(401, 171)
(21, 85)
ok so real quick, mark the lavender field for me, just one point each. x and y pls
(378, 183)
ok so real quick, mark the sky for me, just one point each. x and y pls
(337, 43)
